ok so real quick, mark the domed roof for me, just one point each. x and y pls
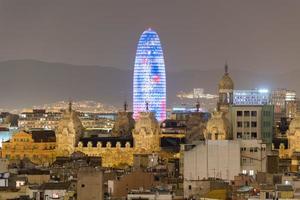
(295, 124)
(218, 123)
(226, 82)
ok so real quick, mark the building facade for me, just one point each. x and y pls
(38, 146)
(251, 122)
(251, 97)
(149, 79)
(49, 119)
(210, 159)
(285, 103)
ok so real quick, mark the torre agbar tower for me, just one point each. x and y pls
(149, 79)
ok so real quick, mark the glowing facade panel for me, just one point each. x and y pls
(149, 81)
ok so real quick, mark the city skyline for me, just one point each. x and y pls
(199, 37)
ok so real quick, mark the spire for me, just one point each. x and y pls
(198, 105)
(125, 106)
(226, 68)
(70, 106)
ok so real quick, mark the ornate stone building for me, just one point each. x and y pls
(293, 134)
(218, 127)
(38, 146)
(196, 126)
(124, 124)
(68, 132)
(146, 133)
(225, 87)
(119, 150)
(116, 150)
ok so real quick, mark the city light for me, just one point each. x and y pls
(149, 82)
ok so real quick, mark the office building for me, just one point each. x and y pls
(149, 80)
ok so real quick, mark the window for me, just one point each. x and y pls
(244, 171)
(251, 149)
(253, 113)
(246, 124)
(190, 187)
(253, 135)
(239, 124)
(247, 113)
(251, 172)
(253, 124)
(244, 160)
(246, 135)
(239, 134)
(239, 113)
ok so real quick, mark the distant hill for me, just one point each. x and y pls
(25, 83)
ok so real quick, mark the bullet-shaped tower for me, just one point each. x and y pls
(149, 79)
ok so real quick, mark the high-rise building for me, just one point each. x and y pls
(251, 97)
(149, 81)
(284, 102)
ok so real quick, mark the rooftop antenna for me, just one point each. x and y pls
(226, 68)
(198, 105)
(70, 105)
(125, 106)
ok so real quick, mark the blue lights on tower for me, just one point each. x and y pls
(149, 79)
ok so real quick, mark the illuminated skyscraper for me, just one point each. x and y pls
(149, 81)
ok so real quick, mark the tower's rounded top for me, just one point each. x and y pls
(226, 82)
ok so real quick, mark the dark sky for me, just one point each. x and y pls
(200, 34)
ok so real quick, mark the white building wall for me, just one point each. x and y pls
(213, 158)
(253, 156)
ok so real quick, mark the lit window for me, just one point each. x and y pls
(251, 172)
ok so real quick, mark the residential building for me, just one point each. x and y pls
(90, 184)
(252, 122)
(210, 159)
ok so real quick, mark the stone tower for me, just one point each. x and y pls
(195, 128)
(226, 87)
(68, 132)
(146, 133)
(124, 124)
(218, 127)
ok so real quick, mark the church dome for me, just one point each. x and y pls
(226, 82)
(219, 125)
(295, 124)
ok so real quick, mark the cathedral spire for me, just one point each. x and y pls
(198, 105)
(226, 68)
(70, 106)
(125, 106)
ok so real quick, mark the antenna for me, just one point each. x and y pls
(226, 68)
(198, 105)
(125, 106)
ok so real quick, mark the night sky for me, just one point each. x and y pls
(252, 35)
